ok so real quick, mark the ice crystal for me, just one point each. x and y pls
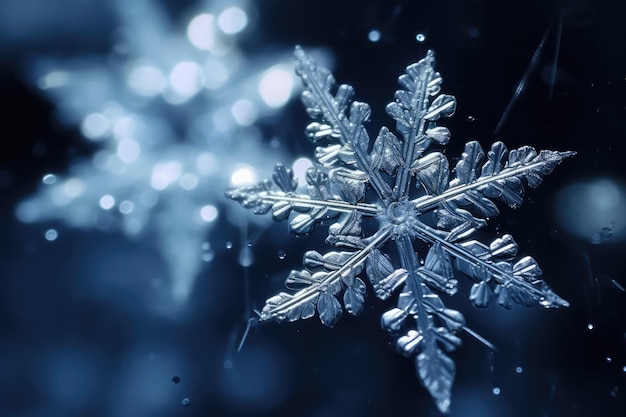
(356, 177)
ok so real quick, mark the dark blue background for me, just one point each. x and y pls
(85, 304)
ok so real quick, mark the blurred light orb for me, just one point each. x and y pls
(201, 31)
(53, 79)
(420, 37)
(276, 86)
(243, 175)
(207, 164)
(95, 126)
(73, 187)
(300, 167)
(232, 20)
(209, 213)
(374, 35)
(146, 80)
(163, 174)
(107, 202)
(244, 112)
(128, 150)
(126, 207)
(51, 235)
(594, 210)
(186, 78)
(124, 127)
(216, 74)
(188, 181)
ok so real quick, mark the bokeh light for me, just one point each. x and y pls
(593, 210)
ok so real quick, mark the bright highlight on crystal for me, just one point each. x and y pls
(243, 175)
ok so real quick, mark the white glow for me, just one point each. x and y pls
(208, 213)
(216, 74)
(276, 86)
(186, 78)
(124, 127)
(95, 126)
(374, 35)
(244, 112)
(232, 20)
(243, 175)
(188, 181)
(128, 150)
(146, 80)
(73, 187)
(107, 202)
(163, 174)
(201, 31)
(300, 166)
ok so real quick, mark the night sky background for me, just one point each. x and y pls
(85, 331)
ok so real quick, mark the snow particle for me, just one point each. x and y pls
(51, 235)
(374, 35)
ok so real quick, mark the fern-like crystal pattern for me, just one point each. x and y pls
(352, 169)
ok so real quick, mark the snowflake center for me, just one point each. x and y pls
(399, 212)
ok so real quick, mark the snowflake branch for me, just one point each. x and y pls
(349, 135)
(288, 306)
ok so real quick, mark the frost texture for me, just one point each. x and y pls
(356, 177)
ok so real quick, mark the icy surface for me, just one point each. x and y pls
(401, 182)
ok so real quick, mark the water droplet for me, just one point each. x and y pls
(229, 245)
(614, 391)
(590, 326)
(374, 35)
(282, 255)
(496, 390)
(51, 235)
(49, 179)
(624, 369)
(519, 370)
(205, 246)
(176, 379)
(470, 118)
(420, 37)
(185, 402)
(609, 359)
(228, 364)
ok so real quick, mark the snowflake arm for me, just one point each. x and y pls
(348, 162)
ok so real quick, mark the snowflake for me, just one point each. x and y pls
(356, 178)
(172, 117)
